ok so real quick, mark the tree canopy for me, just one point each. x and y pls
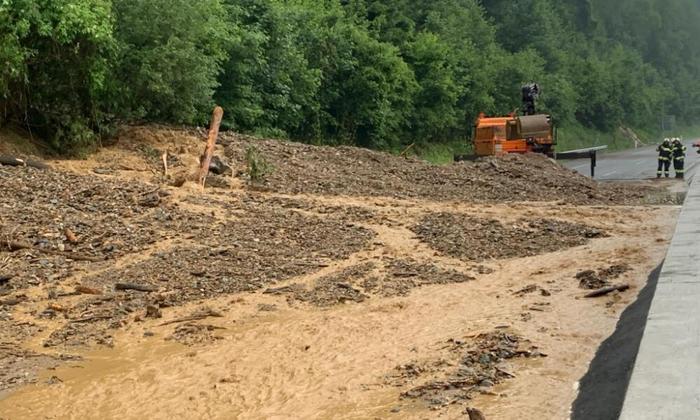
(372, 73)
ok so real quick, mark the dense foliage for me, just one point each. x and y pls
(374, 73)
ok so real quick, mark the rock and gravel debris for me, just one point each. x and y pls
(182, 247)
(480, 364)
(592, 280)
(301, 168)
(477, 239)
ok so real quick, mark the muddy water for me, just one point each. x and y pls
(304, 363)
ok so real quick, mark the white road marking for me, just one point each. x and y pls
(610, 173)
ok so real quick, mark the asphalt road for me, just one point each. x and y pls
(631, 164)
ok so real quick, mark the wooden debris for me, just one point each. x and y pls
(164, 157)
(606, 290)
(195, 317)
(14, 161)
(406, 150)
(92, 318)
(88, 290)
(136, 287)
(70, 236)
(279, 290)
(205, 160)
(58, 308)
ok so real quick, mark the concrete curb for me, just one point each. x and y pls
(665, 382)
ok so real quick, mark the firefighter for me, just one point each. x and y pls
(679, 151)
(665, 151)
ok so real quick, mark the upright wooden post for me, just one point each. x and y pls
(211, 142)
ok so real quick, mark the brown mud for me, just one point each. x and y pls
(347, 284)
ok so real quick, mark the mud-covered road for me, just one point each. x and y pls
(347, 284)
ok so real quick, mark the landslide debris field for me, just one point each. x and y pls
(92, 251)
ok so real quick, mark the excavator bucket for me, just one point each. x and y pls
(534, 126)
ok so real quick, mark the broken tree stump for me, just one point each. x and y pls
(205, 160)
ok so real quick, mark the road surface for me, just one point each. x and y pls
(630, 164)
(666, 375)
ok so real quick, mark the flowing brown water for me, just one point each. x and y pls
(300, 362)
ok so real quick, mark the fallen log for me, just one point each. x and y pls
(278, 290)
(14, 161)
(194, 317)
(205, 160)
(136, 287)
(91, 318)
(16, 246)
(606, 290)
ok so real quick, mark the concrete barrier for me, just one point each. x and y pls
(665, 382)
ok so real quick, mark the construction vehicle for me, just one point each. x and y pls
(528, 133)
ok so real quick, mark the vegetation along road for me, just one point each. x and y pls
(298, 253)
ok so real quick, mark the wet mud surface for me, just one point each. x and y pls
(344, 263)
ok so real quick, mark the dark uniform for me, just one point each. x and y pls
(679, 158)
(665, 153)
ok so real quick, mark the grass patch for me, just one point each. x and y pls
(436, 153)
(574, 137)
(691, 132)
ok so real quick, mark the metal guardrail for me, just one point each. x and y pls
(590, 152)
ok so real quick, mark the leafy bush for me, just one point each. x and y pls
(258, 167)
(56, 60)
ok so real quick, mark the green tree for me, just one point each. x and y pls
(170, 55)
(436, 112)
(267, 84)
(55, 63)
(367, 89)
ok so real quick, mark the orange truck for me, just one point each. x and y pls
(497, 136)
(528, 133)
